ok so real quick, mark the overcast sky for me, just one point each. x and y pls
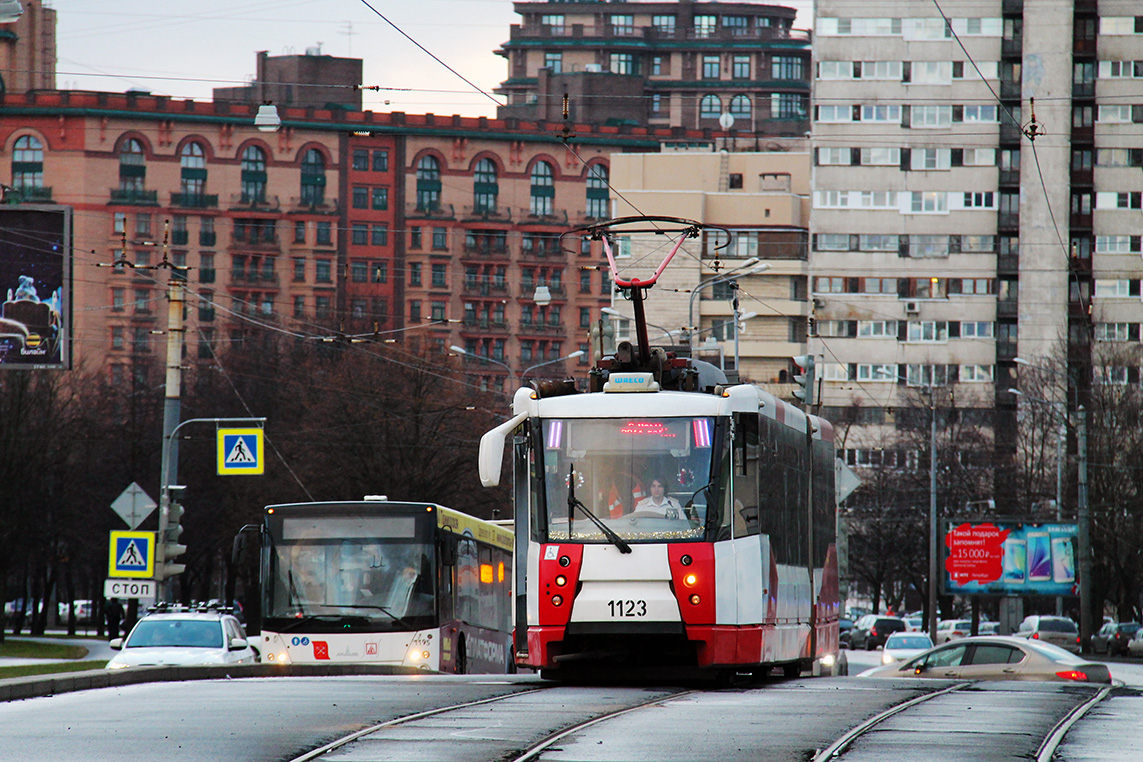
(185, 48)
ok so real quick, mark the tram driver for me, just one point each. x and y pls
(660, 502)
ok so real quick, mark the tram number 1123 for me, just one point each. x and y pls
(627, 608)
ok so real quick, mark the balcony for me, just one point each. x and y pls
(134, 197)
(487, 249)
(257, 240)
(1007, 308)
(195, 200)
(207, 238)
(180, 237)
(28, 195)
(316, 206)
(544, 329)
(257, 277)
(497, 213)
(436, 212)
(555, 217)
(544, 252)
(247, 202)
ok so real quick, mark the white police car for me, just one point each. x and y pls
(180, 636)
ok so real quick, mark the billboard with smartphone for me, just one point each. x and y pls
(1008, 558)
(35, 286)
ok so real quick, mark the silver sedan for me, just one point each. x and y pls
(996, 657)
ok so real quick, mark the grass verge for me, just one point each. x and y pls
(51, 668)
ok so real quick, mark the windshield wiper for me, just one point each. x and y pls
(608, 532)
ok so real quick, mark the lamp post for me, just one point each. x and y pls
(618, 314)
(754, 267)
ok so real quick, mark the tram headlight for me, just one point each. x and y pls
(690, 580)
(561, 580)
(557, 600)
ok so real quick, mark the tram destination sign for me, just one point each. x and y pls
(1008, 558)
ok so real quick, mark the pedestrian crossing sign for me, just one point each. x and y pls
(132, 555)
(240, 452)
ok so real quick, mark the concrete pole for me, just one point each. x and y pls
(933, 515)
(168, 474)
(1083, 532)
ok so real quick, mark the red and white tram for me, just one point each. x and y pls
(667, 521)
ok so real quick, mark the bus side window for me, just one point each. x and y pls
(447, 586)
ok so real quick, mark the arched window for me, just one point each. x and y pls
(710, 107)
(428, 184)
(313, 178)
(28, 163)
(253, 175)
(132, 167)
(598, 199)
(485, 190)
(192, 162)
(740, 107)
(543, 188)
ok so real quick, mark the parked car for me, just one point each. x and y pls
(183, 637)
(843, 628)
(1135, 645)
(871, 630)
(997, 657)
(84, 611)
(1056, 630)
(914, 624)
(904, 645)
(1113, 637)
(988, 628)
(952, 629)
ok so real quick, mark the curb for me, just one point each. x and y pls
(16, 688)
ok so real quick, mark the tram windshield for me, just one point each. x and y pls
(372, 571)
(641, 479)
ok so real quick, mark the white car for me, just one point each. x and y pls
(904, 645)
(183, 637)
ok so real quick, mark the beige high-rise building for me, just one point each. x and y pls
(761, 202)
(976, 200)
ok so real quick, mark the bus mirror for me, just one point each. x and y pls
(492, 450)
(448, 552)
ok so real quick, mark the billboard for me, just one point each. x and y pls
(35, 285)
(1008, 558)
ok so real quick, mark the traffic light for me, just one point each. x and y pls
(805, 379)
(167, 545)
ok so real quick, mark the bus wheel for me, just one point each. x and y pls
(791, 670)
(461, 663)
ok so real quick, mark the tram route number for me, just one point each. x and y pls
(627, 608)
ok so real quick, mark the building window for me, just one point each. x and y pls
(710, 107)
(428, 184)
(299, 269)
(485, 189)
(321, 306)
(740, 68)
(621, 63)
(361, 159)
(740, 107)
(132, 167)
(711, 67)
(380, 198)
(359, 234)
(622, 25)
(656, 103)
(415, 237)
(360, 197)
(598, 198)
(414, 273)
(381, 161)
(786, 67)
(554, 62)
(438, 276)
(379, 235)
(253, 175)
(323, 272)
(324, 234)
(313, 178)
(28, 163)
(543, 189)
(664, 24)
(440, 239)
(705, 26)
(299, 232)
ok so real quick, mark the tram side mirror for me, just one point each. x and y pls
(491, 458)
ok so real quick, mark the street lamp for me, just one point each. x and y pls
(519, 379)
(573, 355)
(754, 267)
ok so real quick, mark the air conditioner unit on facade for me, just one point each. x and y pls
(912, 308)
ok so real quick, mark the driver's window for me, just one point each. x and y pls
(946, 657)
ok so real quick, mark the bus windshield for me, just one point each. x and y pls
(645, 479)
(379, 575)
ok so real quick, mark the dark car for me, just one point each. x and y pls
(872, 631)
(1113, 637)
(843, 629)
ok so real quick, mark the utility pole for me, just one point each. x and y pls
(171, 414)
(933, 515)
(1083, 531)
